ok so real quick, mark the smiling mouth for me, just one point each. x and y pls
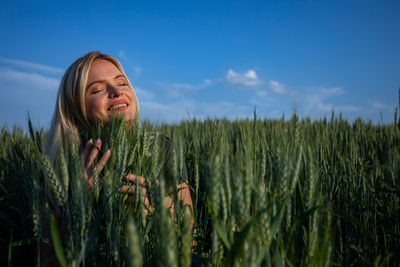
(120, 106)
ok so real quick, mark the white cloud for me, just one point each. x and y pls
(251, 74)
(347, 108)
(269, 101)
(376, 105)
(247, 79)
(143, 94)
(327, 92)
(315, 98)
(276, 87)
(184, 86)
(187, 109)
(171, 112)
(208, 81)
(30, 80)
(33, 66)
(176, 90)
(315, 101)
(261, 93)
(227, 109)
(271, 96)
(324, 107)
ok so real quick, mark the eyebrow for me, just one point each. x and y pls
(99, 81)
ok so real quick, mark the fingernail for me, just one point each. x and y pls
(98, 142)
(108, 151)
(90, 141)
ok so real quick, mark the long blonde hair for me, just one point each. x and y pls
(70, 117)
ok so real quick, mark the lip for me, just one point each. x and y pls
(119, 102)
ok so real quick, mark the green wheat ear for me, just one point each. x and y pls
(136, 258)
(299, 192)
(57, 187)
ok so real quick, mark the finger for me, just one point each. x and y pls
(88, 147)
(103, 161)
(145, 200)
(141, 180)
(127, 189)
(168, 202)
(93, 153)
(132, 178)
(130, 189)
(144, 195)
(89, 183)
(148, 207)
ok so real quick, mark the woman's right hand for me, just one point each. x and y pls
(90, 154)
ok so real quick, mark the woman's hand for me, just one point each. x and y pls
(130, 189)
(183, 194)
(90, 154)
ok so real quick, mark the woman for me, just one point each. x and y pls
(92, 89)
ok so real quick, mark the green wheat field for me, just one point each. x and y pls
(285, 192)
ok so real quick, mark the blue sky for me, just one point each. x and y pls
(209, 58)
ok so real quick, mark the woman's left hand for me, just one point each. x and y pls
(184, 193)
(130, 189)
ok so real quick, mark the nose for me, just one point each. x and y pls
(114, 91)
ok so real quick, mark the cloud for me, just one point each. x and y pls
(176, 90)
(143, 94)
(348, 108)
(323, 107)
(187, 109)
(276, 87)
(166, 112)
(316, 101)
(30, 80)
(31, 65)
(315, 98)
(261, 93)
(328, 92)
(227, 109)
(376, 105)
(247, 79)
(270, 96)
(30, 87)
(183, 89)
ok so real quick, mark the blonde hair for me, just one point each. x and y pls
(70, 119)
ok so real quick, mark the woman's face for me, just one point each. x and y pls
(107, 91)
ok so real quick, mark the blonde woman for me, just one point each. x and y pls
(93, 88)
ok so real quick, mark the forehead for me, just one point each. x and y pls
(102, 69)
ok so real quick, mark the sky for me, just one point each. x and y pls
(209, 59)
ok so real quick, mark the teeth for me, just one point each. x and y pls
(118, 106)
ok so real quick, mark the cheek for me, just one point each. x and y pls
(93, 106)
(89, 108)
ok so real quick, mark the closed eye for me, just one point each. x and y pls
(96, 91)
(121, 81)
